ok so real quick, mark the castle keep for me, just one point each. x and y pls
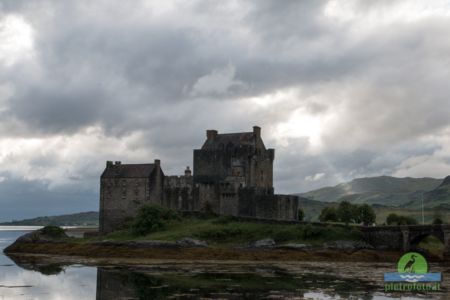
(232, 175)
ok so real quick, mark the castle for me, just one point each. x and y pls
(232, 175)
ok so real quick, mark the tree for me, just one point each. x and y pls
(406, 220)
(328, 214)
(300, 214)
(392, 219)
(366, 214)
(345, 212)
(152, 218)
(437, 219)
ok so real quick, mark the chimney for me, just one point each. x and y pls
(118, 163)
(187, 172)
(157, 162)
(109, 163)
(211, 134)
(257, 131)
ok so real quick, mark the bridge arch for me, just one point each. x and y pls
(405, 238)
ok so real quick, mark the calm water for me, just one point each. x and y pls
(263, 280)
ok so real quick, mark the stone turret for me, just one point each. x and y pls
(187, 172)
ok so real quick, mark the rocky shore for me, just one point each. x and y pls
(39, 243)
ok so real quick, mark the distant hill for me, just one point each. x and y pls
(79, 219)
(438, 197)
(386, 190)
(312, 209)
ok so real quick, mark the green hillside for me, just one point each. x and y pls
(385, 190)
(438, 197)
(312, 209)
(78, 219)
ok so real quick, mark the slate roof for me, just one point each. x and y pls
(236, 139)
(128, 171)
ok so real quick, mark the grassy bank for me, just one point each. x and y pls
(228, 231)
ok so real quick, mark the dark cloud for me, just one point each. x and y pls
(341, 90)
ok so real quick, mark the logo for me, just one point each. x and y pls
(412, 275)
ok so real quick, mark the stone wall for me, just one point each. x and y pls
(120, 198)
(178, 192)
(252, 203)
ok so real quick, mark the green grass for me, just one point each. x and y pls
(226, 231)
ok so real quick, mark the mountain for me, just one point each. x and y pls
(79, 219)
(438, 197)
(384, 190)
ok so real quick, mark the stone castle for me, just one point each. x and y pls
(232, 175)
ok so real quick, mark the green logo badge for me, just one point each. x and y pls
(412, 262)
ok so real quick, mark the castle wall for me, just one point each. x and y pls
(178, 193)
(233, 175)
(254, 204)
(120, 198)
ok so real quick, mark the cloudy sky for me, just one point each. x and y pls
(341, 89)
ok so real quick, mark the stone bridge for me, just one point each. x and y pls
(405, 237)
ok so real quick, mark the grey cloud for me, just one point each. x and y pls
(124, 69)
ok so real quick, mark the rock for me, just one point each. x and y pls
(190, 242)
(43, 235)
(347, 245)
(264, 243)
(302, 247)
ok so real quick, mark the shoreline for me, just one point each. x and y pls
(130, 251)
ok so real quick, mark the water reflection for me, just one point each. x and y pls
(199, 281)
(127, 284)
(31, 278)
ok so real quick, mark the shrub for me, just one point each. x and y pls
(151, 218)
(286, 235)
(394, 219)
(53, 231)
(311, 232)
(300, 214)
(328, 214)
(438, 221)
(219, 234)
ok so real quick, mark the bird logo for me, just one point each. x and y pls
(409, 267)
(412, 263)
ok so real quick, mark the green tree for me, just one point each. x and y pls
(345, 212)
(328, 214)
(406, 220)
(151, 218)
(300, 214)
(366, 214)
(437, 220)
(392, 219)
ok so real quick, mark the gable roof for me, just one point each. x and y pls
(128, 171)
(236, 139)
